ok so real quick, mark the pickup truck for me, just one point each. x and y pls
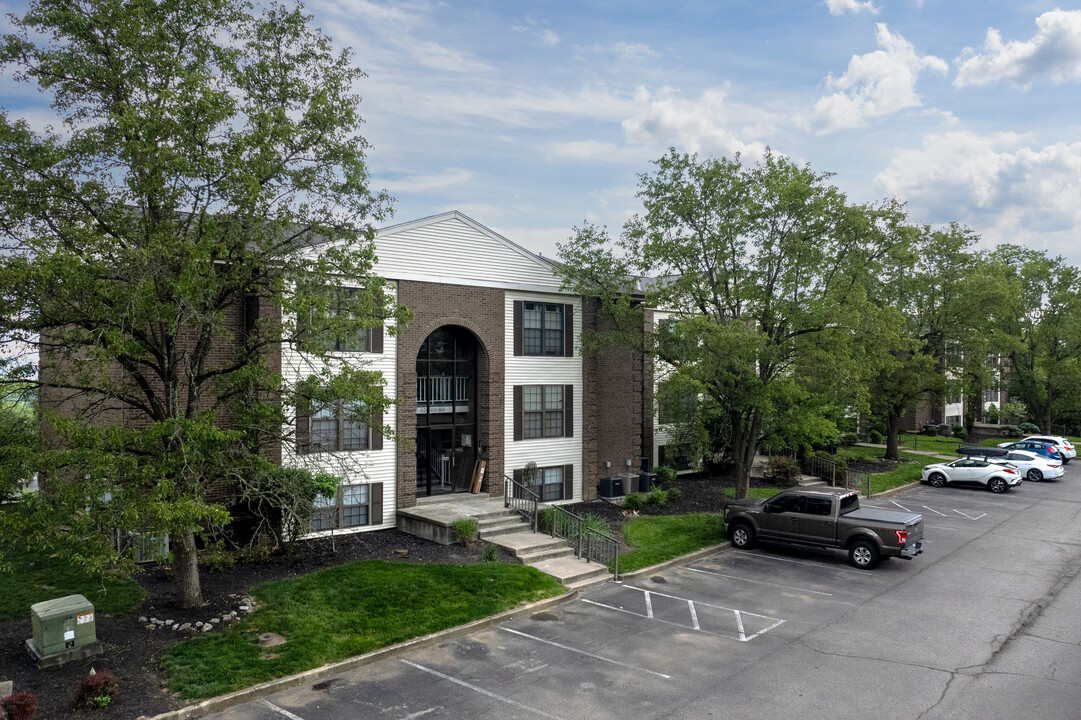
(829, 518)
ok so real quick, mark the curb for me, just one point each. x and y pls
(894, 491)
(681, 560)
(262, 690)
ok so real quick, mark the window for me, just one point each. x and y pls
(817, 506)
(330, 429)
(543, 411)
(551, 483)
(543, 329)
(363, 340)
(674, 404)
(353, 506)
(785, 503)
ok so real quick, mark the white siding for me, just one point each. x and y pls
(452, 249)
(355, 467)
(661, 369)
(530, 370)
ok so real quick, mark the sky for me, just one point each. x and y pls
(535, 117)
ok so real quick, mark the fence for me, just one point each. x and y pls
(589, 543)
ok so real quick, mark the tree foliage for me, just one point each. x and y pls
(206, 188)
(762, 270)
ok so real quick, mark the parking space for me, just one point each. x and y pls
(757, 633)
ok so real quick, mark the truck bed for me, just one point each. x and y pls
(883, 516)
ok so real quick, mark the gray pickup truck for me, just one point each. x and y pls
(826, 517)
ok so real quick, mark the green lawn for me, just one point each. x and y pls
(36, 579)
(657, 539)
(758, 493)
(902, 475)
(339, 612)
(934, 443)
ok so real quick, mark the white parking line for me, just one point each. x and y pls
(900, 505)
(936, 512)
(281, 711)
(763, 582)
(969, 516)
(481, 690)
(692, 605)
(583, 652)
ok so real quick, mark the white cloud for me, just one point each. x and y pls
(549, 38)
(424, 183)
(879, 83)
(996, 184)
(634, 51)
(706, 124)
(841, 7)
(1054, 52)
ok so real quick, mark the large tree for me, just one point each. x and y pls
(931, 331)
(1041, 330)
(205, 187)
(762, 268)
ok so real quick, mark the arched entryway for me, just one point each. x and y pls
(447, 406)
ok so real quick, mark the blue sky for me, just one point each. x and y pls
(533, 117)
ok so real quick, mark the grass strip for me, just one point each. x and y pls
(756, 493)
(349, 610)
(657, 539)
(33, 579)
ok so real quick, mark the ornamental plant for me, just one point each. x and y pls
(97, 690)
(22, 705)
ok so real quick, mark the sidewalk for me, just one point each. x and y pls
(928, 453)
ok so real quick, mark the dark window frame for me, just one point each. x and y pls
(370, 434)
(565, 336)
(553, 423)
(566, 484)
(331, 515)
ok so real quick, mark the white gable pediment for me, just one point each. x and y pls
(452, 248)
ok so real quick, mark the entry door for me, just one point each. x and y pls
(441, 460)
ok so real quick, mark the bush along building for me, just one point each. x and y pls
(489, 369)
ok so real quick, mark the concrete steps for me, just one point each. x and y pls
(553, 556)
(497, 525)
(810, 481)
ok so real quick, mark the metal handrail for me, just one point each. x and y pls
(827, 470)
(521, 499)
(588, 543)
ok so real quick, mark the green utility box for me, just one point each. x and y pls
(64, 629)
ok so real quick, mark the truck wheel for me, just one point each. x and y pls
(937, 480)
(863, 554)
(1035, 475)
(742, 536)
(997, 485)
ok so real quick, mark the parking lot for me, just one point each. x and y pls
(983, 624)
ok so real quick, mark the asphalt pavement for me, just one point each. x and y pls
(984, 624)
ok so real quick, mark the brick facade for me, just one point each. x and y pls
(617, 408)
(481, 311)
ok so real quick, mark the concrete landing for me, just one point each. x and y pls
(434, 520)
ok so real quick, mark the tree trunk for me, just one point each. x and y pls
(893, 429)
(189, 594)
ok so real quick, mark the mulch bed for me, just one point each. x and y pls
(132, 651)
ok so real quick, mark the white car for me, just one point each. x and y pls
(978, 472)
(1033, 466)
(1063, 445)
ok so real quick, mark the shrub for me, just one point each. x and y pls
(991, 413)
(930, 430)
(666, 476)
(22, 705)
(656, 496)
(957, 428)
(848, 438)
(1013, 431)
(674, 494)
(1028, 428)
(545, 518)
(216, 558)
(490, 553)
(465, 530)
(595, 523)
(876, 437)
(253, 554)
(960, 433)
(783, 470)
(97, 690)
(632, 502)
